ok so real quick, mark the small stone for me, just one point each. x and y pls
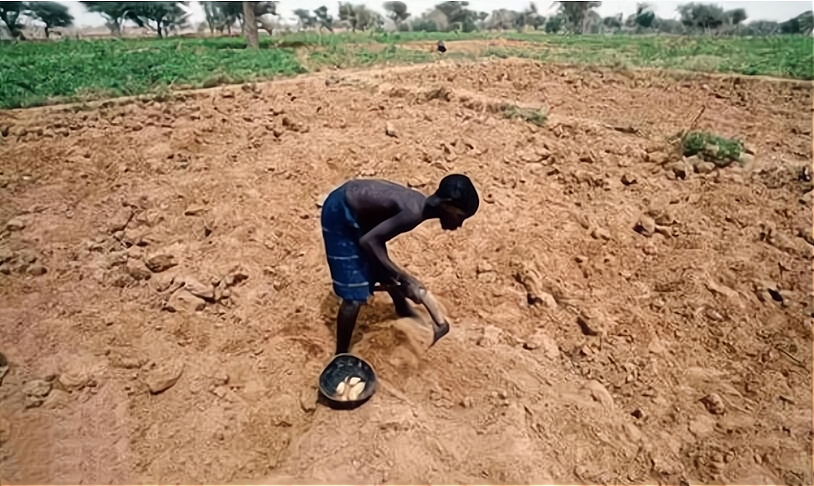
(390, 130)
(714, 403)
(197, 288)
(657, 157)
(484, 267)
(628, 179)
(56, 399)
(220, 391)
(704, 167)
(235, 277)
(35, 392)
(601, 234)
(702, 426)
(678, 169)
(466, 402)
(37, 269)
(161, 262)
(74, 379)
(646, 226)
(15, 224)
(137, 270)
(599, 393)
(542, 341)
(221, 378)
(184, 302)
(490, 336)
(194, 210)
(163, 377)
(120, 220)
(129, 363)
(746, 160)
(590, 323)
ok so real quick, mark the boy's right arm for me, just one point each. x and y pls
(373, 242)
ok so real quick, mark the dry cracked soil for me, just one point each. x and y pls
(619, 314)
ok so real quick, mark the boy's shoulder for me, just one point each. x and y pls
(367, 192)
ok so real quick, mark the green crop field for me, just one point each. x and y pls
(38, 73)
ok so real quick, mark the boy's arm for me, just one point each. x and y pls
(373, 242)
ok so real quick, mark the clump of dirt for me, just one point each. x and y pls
(612, 321)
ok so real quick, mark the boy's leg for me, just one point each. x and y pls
(403, 309)
(345, 323)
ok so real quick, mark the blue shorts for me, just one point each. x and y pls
(353, 273)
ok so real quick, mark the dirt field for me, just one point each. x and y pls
(581, 350)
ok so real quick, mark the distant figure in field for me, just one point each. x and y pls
(360, 217)
(441, 47)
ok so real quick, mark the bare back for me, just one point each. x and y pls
(375, 201)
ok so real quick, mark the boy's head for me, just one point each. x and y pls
(455, 200)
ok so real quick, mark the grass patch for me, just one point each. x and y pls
(34, 74)
(712, 148)
(349, 55)
(535, 116)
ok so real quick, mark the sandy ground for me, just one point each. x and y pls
(581, 350)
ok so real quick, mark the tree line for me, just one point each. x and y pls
(575, 17)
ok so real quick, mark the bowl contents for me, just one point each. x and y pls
(349, 389)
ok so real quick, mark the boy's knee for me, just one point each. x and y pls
(348, 306)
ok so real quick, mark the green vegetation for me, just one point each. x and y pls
(36, 73)
(712, 148)
(529, 115)
(33, 74)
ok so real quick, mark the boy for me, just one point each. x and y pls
(360, 217)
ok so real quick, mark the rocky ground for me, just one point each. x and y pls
(619, 314)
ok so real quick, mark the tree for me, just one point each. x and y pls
(306, 19)
(52, 14)
(503, 19)
(736, 16)
(576, 13)
(250, 26)
(10, 13)
(114, 13)
(397, 11)
(554, 24)
(458, 16)
(613, 23)
(214, 16)
(158, 16)
(806, 22)
(531, 17)
(761, 28)
(644, 16)
(802, 24)
(358, 16)
(225, 14)
(326, 21)
(702, 16)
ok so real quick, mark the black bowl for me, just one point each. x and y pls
(345, 366)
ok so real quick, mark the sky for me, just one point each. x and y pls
(758, 10)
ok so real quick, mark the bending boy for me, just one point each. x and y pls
(360, 217)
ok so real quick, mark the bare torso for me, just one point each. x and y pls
(375, 201)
